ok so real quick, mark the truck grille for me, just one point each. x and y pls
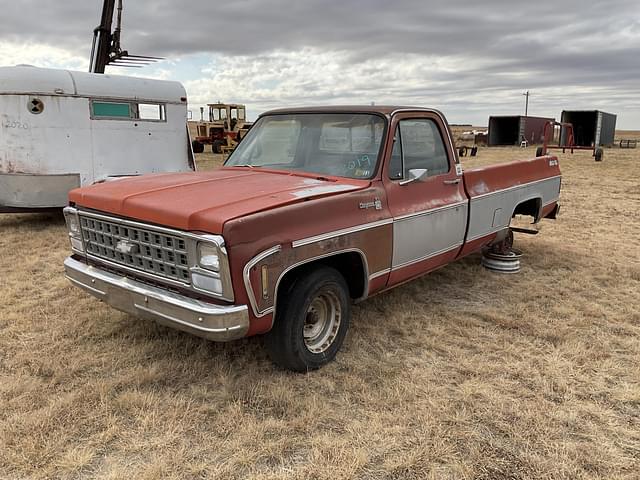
(157, 253)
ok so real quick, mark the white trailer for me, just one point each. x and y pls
(60, 130)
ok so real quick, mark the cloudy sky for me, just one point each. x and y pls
(469, 59)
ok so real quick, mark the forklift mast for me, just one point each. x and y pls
(106, 49)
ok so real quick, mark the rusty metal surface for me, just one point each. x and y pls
(513, 129)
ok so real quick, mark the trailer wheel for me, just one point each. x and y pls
(197, 147)
(539, 151)
(599, 153)
(311, 321)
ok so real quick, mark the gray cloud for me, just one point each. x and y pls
(494, 46)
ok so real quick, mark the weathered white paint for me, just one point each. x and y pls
(65, 140)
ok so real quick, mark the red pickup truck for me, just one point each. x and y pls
(315, 209)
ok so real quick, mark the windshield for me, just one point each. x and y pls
(336, 144)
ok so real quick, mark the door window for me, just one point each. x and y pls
(418, 145)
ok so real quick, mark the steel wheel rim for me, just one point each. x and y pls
(322, 321)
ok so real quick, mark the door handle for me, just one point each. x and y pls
(452, 182)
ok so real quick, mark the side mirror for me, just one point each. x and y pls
(415, 174)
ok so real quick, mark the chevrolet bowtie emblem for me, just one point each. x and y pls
(126, 247)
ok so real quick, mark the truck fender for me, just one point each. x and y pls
(357, 278)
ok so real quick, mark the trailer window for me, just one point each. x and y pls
(110, 110)
(150, 111)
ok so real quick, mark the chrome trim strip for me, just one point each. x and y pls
(514, 187)
(247, 280)
(432, 210)
(380, 273)
(426, 257)
(151, 226)
(336, 233)
(187, 324)
(320, 257)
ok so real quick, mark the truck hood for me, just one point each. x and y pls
(204, 201)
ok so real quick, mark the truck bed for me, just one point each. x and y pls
(497, 192)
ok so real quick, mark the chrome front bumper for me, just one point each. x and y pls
(207, 320)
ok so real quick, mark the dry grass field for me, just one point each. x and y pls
(461, 374)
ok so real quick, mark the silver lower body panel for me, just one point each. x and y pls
(211, 321)
(31, 192)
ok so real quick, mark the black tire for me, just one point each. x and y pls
(197, 147)
(216, 146)
(462, 151)
(539, 151)
(291, 343)
(599, 153)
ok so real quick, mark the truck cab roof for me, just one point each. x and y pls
(385, 110)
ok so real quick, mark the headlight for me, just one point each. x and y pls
(211, 273)
(73, 227)
(209, 256)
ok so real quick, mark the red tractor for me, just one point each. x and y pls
(226, 126)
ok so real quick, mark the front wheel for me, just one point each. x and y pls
(311, 322)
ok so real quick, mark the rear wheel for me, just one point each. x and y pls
(539, 151)
(216, 146)
(197, 147)
(598, 154)
(312, 320)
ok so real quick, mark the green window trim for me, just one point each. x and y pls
(110, 110)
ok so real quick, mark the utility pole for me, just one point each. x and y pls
(526, 104)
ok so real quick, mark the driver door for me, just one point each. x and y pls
(426, 196)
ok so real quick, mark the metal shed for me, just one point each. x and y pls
(512, 130)
(591, 127)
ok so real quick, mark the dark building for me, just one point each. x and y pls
(590, 127)
(512, 130)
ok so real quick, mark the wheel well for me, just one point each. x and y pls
(351, 266)
(531, 207)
